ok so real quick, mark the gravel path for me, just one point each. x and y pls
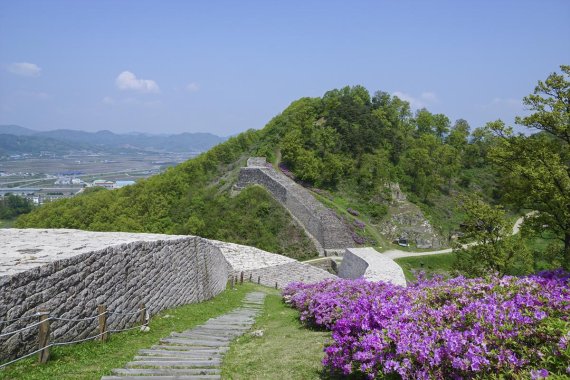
(194, 354)
(396, 253)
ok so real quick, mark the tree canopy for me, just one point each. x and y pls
(535, 169)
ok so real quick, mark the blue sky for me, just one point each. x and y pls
(226, 66)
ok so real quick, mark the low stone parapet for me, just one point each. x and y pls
(371, 265)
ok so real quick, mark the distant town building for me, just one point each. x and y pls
(103, 183)
(120, 184)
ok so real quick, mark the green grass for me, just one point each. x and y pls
(6, 223)
(94, 359)
(339, 204)
(441, 264)
(287, 349)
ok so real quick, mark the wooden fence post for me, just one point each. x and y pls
(143, 314)
(43, 336)
(102, 311)
(241, 278)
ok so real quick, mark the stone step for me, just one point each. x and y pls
(210, 334)
(194, 354)
(227, 327)
(189, 348)
(194, 335)
(168, 371)
(222, 333)
(163, 377)
(193, 342)
(174, 364)
(177, 358)
(180, 354)
(229, 323)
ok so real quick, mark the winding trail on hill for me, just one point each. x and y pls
(398, 254)
(196, 353)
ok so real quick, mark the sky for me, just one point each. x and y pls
(166, 66)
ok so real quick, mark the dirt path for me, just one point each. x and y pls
(397, 254)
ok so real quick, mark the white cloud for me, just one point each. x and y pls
(425, 99)
(128, 81)
(192, 87)
(24, 69)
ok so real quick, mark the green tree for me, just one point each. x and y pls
(535, 170)
(459, 134)
(491, 248)
(12, 205)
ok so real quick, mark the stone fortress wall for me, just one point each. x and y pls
(70, 272)
(327, 230)
(370, 265)
(270, 268)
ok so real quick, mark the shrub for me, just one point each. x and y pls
(436, 329)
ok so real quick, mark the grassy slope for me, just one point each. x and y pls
(432, 265)
(92, 360)
(287, 350)
(6, 223)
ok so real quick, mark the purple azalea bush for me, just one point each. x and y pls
(443, 329)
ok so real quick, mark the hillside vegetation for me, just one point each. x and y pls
(348, 143)
(191, 198)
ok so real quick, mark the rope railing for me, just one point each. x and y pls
(125, 314)
(44, 329)
(22, 329)
(78, 319)
(45, 318)
(35, 315)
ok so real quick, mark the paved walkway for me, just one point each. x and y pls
(193, 354)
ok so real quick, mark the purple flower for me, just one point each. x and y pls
(538, 374)
(352, 212)
(440, 329)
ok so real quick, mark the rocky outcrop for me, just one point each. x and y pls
(406, 220)
(328, 232)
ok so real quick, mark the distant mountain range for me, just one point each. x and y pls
(19, 140)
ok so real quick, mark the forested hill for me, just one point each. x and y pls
(347, 145)
(19, 140)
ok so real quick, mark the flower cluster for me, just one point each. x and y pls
(352, 211)
(442, 329)
(359, 224)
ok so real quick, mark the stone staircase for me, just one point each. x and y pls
(196, 353)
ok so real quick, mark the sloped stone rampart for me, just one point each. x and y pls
(371, 265)
(70, 278)
(70, 272)
(321, 223)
